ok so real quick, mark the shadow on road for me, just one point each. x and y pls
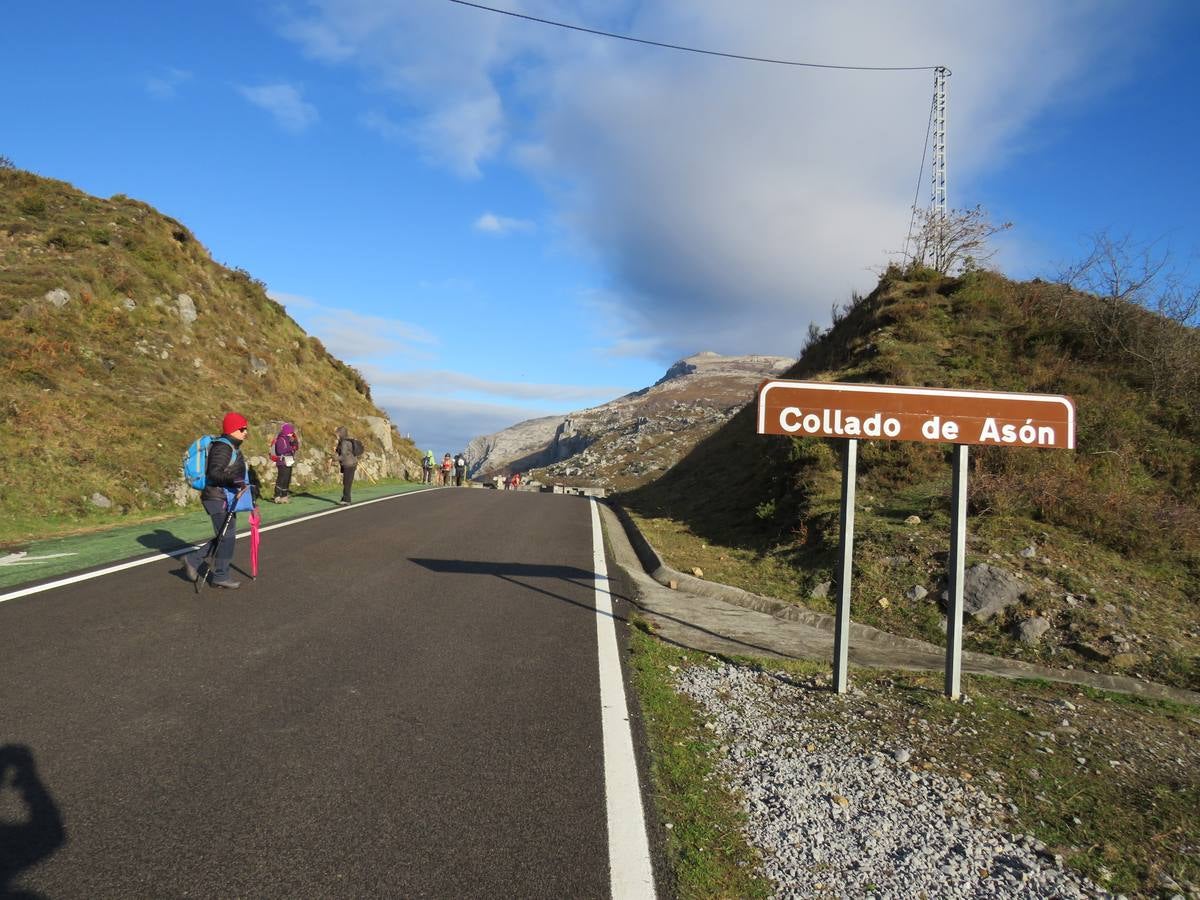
(163, 540)
(40, 834)
(315, 497)
(510, 572)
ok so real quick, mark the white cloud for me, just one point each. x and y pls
(354, 336)
(283, 101)
(730, 203)
(448, 424)
(444, 383)
(383, 126)
(164, 86)
(490, 223)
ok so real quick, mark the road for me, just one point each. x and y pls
(405, 703)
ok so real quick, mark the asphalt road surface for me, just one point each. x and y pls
(404, 704)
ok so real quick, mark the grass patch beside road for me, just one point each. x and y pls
(140, 535)
(705, 844)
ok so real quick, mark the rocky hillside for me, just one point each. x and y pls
(122, 341)
(1096, 551)
(625, 442)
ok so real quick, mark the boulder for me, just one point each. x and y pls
(98, 499)
(381, 430)
(58, 298)
(987, 590)
(187, 309)
(1031, 630)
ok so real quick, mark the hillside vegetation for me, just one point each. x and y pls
(1106, 538)
(121, 341)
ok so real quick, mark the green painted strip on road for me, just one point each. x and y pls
(61, 556)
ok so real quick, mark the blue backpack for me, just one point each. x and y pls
(195, 460)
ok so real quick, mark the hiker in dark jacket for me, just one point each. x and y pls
(460, 469)
(283, 454)
(344, 451)
(226, 470)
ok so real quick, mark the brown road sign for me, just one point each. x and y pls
(932, 415)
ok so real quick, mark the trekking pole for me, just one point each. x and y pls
(215, 543)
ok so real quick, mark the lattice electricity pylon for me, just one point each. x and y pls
(940, 115)
(938, 210)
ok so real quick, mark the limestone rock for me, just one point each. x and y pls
(987, 590)
(258, 366)
(58, 298)
(916, 592)
(1031, 630)
(381, 430)
(186, 308)
(99, 500)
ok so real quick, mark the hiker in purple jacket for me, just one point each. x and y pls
(283, 454)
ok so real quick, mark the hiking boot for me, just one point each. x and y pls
(343, 503)
(228, 584)
(193, 574)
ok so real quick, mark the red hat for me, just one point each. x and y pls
(232, 422)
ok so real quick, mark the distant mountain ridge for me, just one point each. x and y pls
(622, 443)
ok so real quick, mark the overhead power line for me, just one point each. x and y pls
(626, 37)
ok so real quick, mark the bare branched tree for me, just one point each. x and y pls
(1144, 308)
(958, 242)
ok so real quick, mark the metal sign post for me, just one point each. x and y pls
(956, 567)
(841, 633)
(929, 415)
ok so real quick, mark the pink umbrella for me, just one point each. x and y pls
(255, 521)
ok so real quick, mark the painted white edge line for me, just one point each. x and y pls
(631, 875)
(133, 564)
(1066, 402)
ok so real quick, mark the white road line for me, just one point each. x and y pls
(133, 564)
(630, 873)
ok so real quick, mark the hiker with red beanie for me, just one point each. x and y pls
(227, 478)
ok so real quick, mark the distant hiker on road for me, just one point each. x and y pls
(427, 466)
(460, 469)
(347, 450)
(447, 465)
(227, 479)
(283, 454)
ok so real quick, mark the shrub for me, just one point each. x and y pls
(31, 205)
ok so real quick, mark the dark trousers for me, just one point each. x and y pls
(428, 476)
(283, 481)
(347, 480)
(458, 476)
(216, 512)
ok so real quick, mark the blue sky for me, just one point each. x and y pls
(495, 219)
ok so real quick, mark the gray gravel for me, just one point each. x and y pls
(836, 816)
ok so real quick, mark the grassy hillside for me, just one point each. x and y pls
(121, 340)
(1110, 532)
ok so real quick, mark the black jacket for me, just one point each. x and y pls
(226, 472)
